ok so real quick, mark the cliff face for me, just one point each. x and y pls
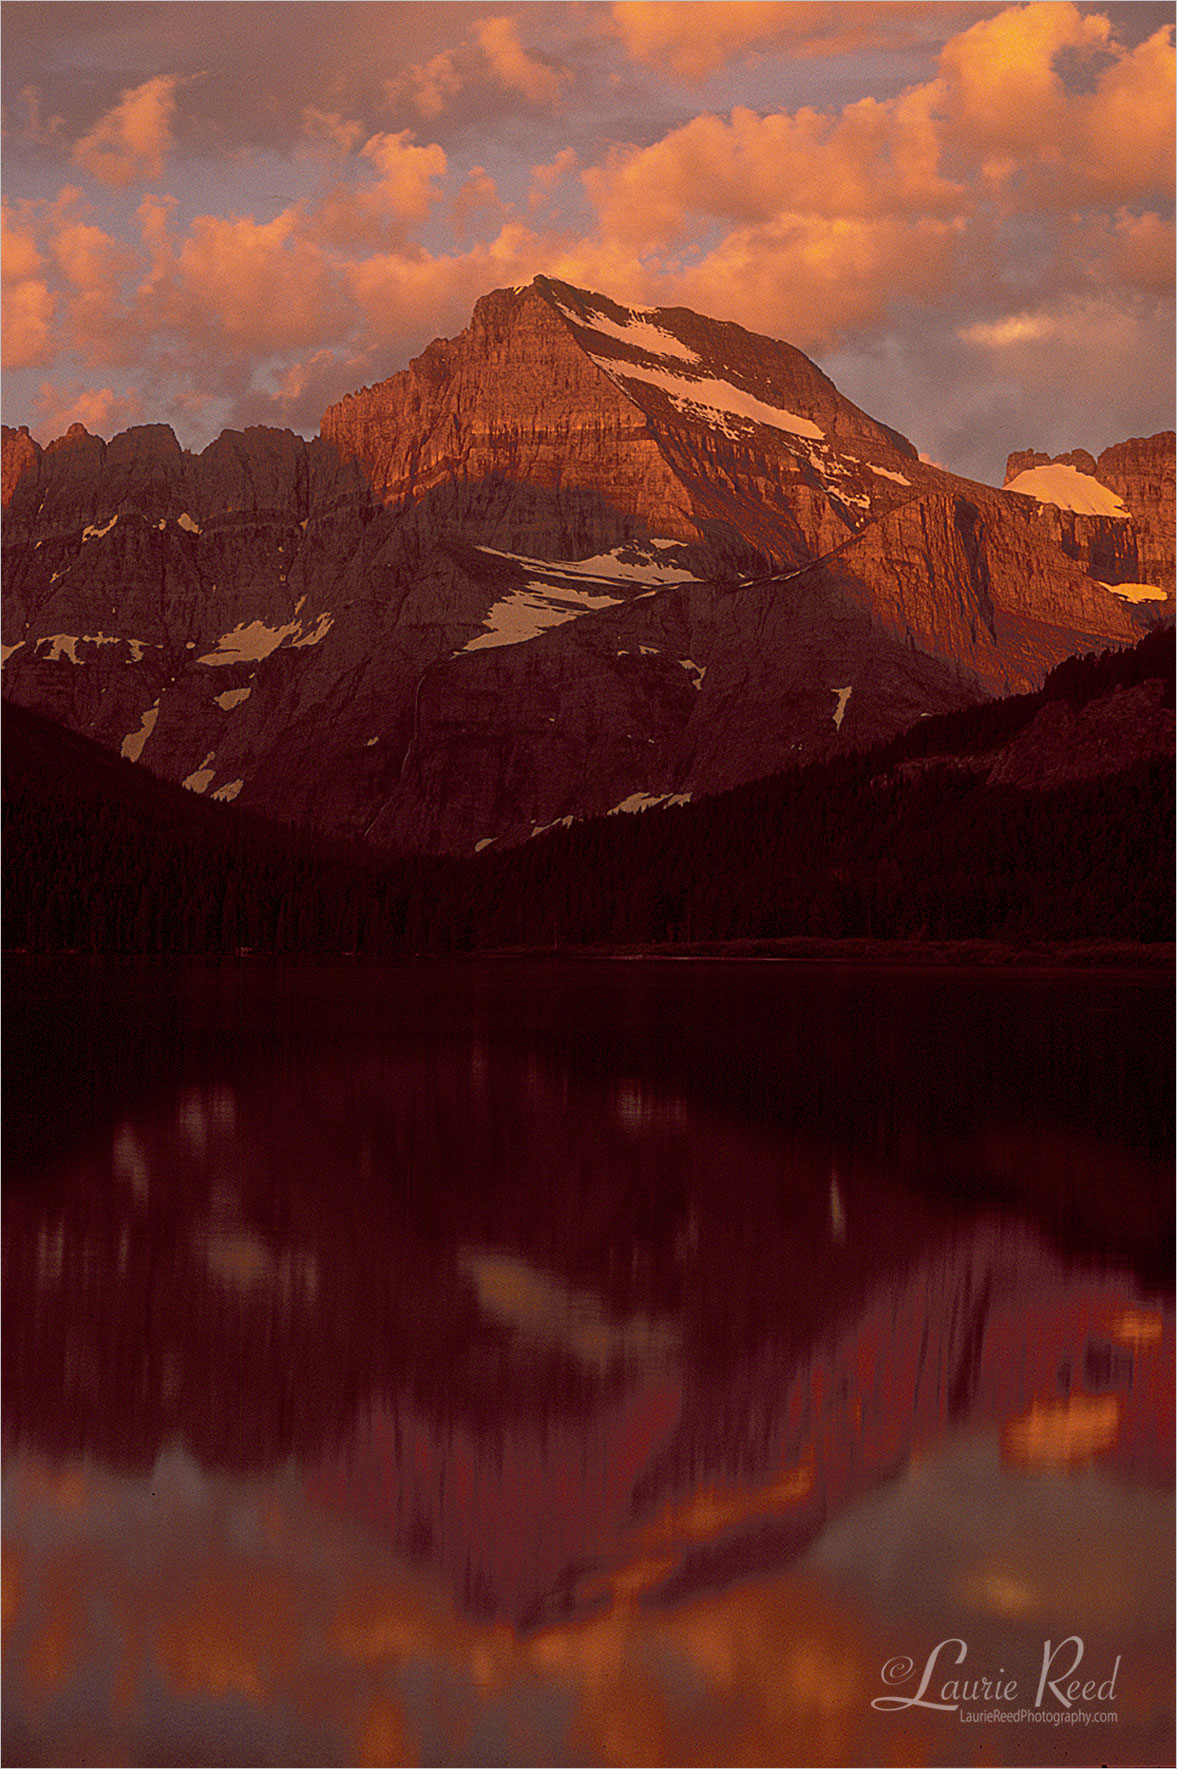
(561, 424)
(18, 455)
(1141, 473)
(579, 557)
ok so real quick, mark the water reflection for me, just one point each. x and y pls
(490, 1371)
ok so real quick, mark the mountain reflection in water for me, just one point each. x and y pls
(591, 1363)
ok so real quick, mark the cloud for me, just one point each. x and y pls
(433, 84)
(45, 131)
(401, 188)
(102, 411)
(538, 81)
(812, 279)
(1103, 328)
(477, 204)
(401, 292)
(694, 38)
(19, 253)
(131, 143)
(329, 129)
(1084, 370)
(27, 323)
(88, 257)
(1007, 108)
(747, 168)
(493, 57)
(260, 286)
(1008, 175)
(1138, 252)
(406, 174)
(544, 177)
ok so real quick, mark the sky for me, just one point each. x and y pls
(219, 214)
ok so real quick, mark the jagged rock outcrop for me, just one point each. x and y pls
(581, 556)
(1022, 460)
(18, 455)
(560, 424)
(1140, 473)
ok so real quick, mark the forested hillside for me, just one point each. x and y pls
(1044, 817)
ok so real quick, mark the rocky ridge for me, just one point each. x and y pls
(581, 557)
(1140, 473)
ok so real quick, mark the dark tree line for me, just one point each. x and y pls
(100, 857)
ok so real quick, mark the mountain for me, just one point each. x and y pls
(1138, 475)
(580, 556)
(1047, 816)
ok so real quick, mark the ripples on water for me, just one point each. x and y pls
(600, 1363)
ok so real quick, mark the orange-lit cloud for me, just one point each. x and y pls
(692, 38)
(330, 129)
(28, 309)
(131, 143)
(1007, 110)
(1015, 191)
(434, 84)
(748, 168)
(101, 410)
(545, 178)
(261, 286)
(406, 174)
(810, 279)
(477, 203)
(19, 254)
(394, 184)
(538, 81)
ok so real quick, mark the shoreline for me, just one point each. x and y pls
(898, 954)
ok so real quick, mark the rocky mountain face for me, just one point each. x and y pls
(580, 558)
(1141, 474)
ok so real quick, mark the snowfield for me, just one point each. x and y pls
(717, 403)
(638, 333)
(1069, 489)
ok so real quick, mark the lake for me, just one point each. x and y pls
(645, 1362)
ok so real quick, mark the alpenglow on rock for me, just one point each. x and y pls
(581, 557)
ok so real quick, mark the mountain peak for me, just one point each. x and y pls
(586, 423)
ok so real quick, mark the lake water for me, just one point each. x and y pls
(604, 1362)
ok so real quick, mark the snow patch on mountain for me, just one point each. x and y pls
(249, 643)
(132, 744)
(96, 534)
(718, 403)
(232, 697)
(635, 561)
(1135, 592)
(840, 710)
(638, 332)
(317, 634)
(201, 778)
(1069, 489)
(525, 614)
(65, 645)
(886, 473)
(645, 801)
(225, 793)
